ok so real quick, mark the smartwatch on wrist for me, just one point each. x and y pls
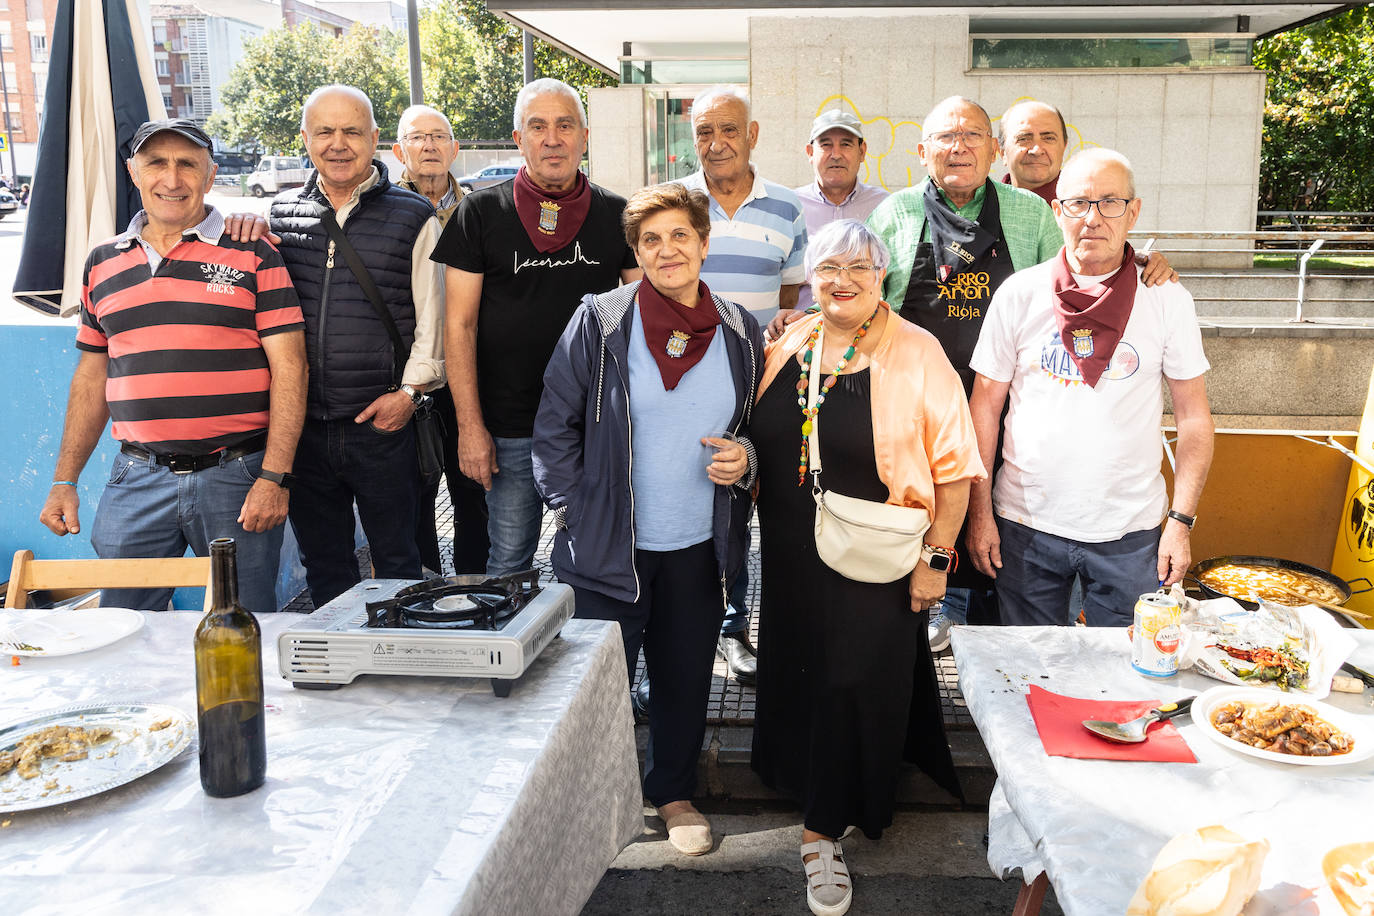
(283, 479)
(940, 559)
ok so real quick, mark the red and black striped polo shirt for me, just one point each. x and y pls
(187, 371)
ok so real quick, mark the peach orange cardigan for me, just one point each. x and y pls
(922, 431)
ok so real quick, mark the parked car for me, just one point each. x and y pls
(8, 203)
(492, 174)
(276, 173)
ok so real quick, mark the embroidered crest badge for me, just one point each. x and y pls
(944, 271)
(1082, 343)
(677, 344)
(548, 217)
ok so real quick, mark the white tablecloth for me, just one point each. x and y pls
(1096, 826)
(391, 794)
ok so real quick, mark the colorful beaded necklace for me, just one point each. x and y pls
(809, 413)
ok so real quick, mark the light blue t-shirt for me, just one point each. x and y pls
(674, 498)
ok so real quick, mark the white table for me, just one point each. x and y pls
(1094, 827)
(391, 794)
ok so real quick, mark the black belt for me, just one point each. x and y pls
(187, 464)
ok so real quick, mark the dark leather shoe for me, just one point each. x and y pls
(739, 656)
(639, 700)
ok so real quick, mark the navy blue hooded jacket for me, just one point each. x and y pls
(582, 450)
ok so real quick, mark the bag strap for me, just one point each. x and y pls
(374, 295)
(813, 389)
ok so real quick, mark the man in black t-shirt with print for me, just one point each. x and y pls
(520, 256)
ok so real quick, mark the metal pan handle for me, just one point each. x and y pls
(1369, 585)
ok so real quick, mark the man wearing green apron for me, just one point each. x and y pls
(954, 238)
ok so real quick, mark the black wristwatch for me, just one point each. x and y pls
(1188, 521)
(283, 479)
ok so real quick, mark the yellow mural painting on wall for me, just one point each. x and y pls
(892, 162)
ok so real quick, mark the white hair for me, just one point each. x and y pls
(1098, 156)
(548, 86)
(720, 92)
(357, 94)
(413, 112)
(846, 239)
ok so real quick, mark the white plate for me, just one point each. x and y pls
(136, 752)
(1361, 728)
(66, 632)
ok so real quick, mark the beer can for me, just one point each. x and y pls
(1155, 643)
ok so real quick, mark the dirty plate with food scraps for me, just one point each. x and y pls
(135, 748)
(1360, 728)
(39, 634)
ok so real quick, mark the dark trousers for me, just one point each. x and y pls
(469, 501)
(338, 463)
(676, 620)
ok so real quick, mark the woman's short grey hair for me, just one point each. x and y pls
(548, 86)
(846, 240)
(719, 92)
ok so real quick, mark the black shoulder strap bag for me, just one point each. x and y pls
(429, 432)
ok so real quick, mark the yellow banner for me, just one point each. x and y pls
(1353, 559)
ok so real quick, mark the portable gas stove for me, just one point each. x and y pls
(455, 626)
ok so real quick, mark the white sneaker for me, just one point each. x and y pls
(938, 629)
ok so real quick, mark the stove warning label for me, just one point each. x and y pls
(436, 655)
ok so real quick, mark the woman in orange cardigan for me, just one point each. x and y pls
(840, 661)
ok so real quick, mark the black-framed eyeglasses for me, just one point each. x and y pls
(1109, 207)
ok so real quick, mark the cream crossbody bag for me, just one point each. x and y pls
(860, 539)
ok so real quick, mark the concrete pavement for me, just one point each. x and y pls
(929, 862)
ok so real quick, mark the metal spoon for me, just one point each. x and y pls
(1133, 732)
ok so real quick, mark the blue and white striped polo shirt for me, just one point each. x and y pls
(758, 251)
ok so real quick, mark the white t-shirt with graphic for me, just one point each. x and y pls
(1082, 462)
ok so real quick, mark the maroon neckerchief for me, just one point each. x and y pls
(1047, 191)
(551, 219)
(1092, 318)
(678, 336)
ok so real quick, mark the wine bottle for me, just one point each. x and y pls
(229, 707)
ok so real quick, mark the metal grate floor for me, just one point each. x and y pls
(730, 703)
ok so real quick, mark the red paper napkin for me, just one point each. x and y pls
(1059, 720)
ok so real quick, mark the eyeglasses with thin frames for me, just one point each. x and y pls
(417, 139)
(859, 273)
(946, 139)
(1109, 207)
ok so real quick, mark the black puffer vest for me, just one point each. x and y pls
(347, 345)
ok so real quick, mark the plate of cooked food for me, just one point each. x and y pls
(74, 752)
(1283, 729)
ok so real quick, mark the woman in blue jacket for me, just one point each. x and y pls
(639, 447)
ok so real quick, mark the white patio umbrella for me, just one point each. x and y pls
(101, 87)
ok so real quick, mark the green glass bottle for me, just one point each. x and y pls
(233, 740)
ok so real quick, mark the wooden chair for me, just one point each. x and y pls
(69, 578)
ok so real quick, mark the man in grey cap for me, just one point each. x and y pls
(836, 150)
(193, 344)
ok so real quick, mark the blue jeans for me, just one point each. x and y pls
(514, 509)
(338, 463)
(148, 511)
(736, 622)
(1039, 569)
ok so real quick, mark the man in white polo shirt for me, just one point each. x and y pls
(758, 241)
(1081, 345)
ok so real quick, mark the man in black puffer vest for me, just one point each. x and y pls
(358, 445)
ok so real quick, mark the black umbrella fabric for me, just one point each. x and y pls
(100, 89)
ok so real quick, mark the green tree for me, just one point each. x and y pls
(263, 96)
(1318, 150)
(473, 66)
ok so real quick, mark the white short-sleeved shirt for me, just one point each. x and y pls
(1083, 462)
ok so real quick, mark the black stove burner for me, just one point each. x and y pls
(455, 603)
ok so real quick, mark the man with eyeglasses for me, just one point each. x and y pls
(1081, 346)
(427, 149)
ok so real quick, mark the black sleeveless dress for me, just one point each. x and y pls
(845, 683)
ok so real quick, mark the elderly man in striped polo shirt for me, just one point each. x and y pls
(194, 345)
(758, 241)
